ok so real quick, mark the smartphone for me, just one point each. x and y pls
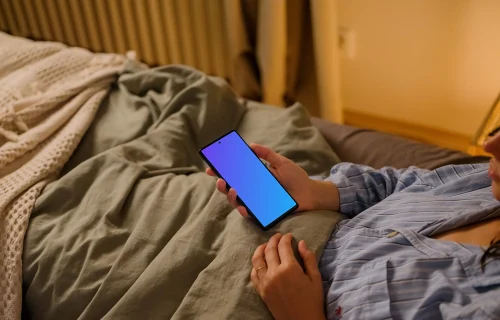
(258, 191)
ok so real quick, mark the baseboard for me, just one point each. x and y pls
(410, 130)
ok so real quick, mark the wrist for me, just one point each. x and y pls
(325, 195)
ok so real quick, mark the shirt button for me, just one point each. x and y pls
(392, 234)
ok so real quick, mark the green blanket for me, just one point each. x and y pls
(134, 229)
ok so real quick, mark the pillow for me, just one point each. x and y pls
(377, 149)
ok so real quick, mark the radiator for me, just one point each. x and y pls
(190, 32)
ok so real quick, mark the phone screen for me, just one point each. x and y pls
(258, 190)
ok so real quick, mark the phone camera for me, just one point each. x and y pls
(219, 142)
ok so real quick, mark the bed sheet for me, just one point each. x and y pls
(134, 228)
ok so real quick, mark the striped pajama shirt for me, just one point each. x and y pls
(382, 263)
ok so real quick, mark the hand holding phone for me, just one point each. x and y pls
(292, 177)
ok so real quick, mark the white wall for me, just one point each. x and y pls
(431, 62)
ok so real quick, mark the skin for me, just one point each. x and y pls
(289, 291)
(481, 233)
(492, 146)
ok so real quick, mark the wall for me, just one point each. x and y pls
(428, 62)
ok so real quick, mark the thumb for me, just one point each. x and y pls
(267, 154)
(310, 262)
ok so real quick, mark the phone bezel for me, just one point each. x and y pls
(274, 222)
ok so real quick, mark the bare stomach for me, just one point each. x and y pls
(480, 233)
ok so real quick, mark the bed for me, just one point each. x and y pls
(131, 227)
(134, 228)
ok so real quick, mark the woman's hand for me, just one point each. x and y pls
(309, 194)
(288, 291)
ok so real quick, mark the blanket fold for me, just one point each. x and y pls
(49, 94)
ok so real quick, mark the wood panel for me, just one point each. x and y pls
(442, 138)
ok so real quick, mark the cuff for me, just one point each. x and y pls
(348, 202)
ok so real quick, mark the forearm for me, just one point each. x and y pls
(325, 195)
(359, 187)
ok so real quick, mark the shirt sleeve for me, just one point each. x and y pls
(361, 187)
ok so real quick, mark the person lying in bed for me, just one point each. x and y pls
(417, 244)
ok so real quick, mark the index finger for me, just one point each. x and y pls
(210, 172)
(271, 253)
(285, 249)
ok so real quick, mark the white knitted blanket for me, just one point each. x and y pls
(49, 94)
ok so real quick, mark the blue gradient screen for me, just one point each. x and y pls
(244, 172)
